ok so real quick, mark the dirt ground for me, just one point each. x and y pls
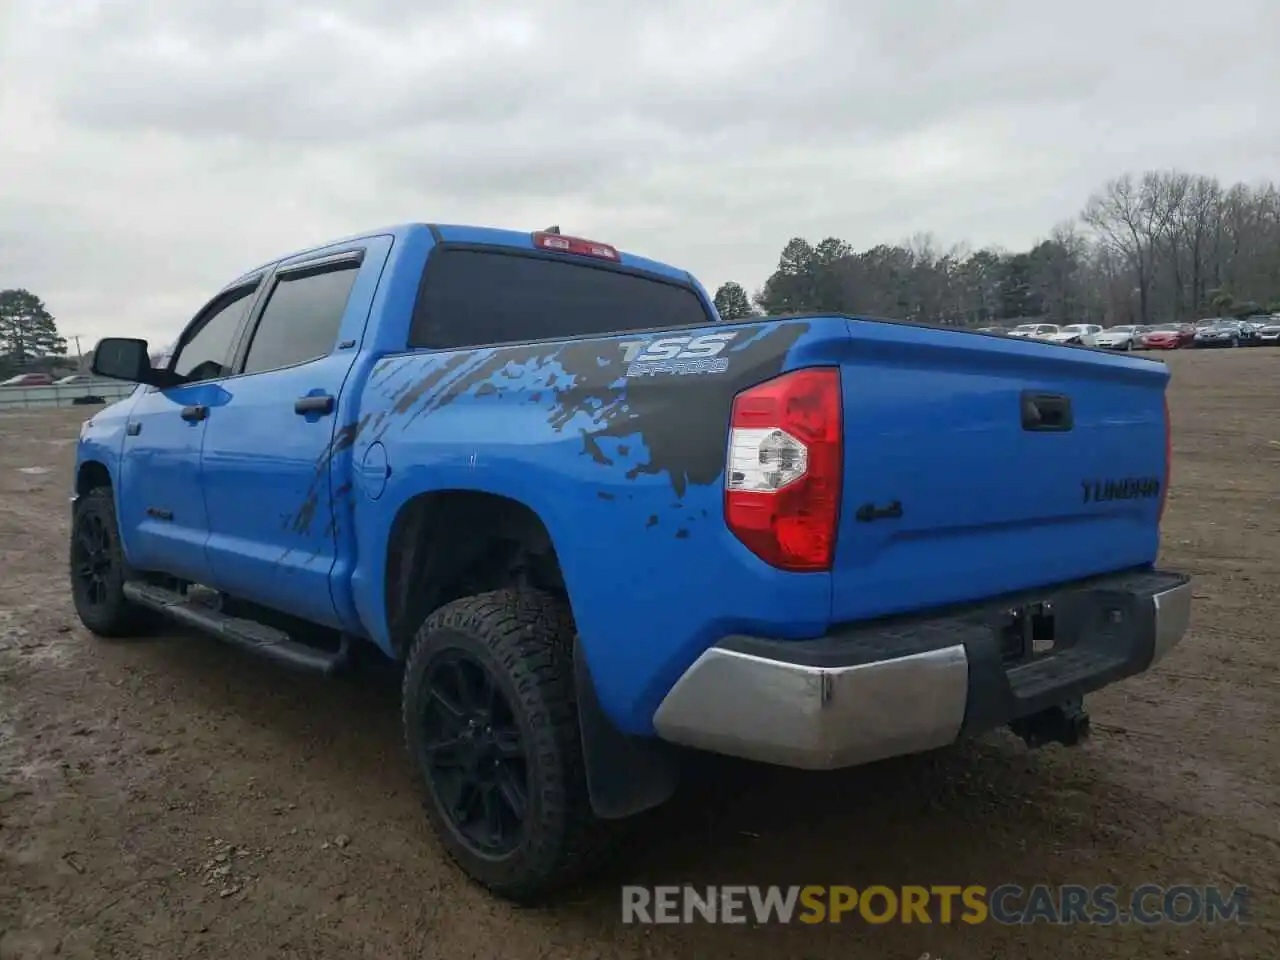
(172, 797)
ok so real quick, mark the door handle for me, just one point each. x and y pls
(1045, 411)
(134, 428)
(320, 404)
(195, 413)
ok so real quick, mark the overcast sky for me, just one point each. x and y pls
(150, 151)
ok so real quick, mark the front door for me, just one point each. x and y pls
(270, 449)
(163, 519)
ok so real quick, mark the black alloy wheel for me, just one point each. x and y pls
(491, 726)
(473, 754)
(93, 561)
(98, 569)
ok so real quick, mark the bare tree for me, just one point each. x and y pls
(1131, 218)
(1196, 221)
(1168, 196)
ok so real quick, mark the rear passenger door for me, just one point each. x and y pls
(269, 454)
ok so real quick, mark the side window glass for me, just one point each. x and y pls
(301, 319)
(205, 354)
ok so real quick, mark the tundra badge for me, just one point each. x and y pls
(1126, 488)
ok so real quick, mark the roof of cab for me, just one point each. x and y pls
(458, 233)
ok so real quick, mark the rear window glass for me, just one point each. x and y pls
(473, 298)
(301, 319)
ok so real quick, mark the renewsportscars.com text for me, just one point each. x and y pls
(1147, 904)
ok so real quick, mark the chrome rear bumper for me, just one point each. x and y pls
(914, 685)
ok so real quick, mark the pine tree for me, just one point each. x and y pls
(732, 302)
(27, 329)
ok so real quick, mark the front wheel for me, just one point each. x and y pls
(99, 570)
(491, 725)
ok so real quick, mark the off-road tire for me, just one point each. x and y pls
(109, 614)
(524, 640)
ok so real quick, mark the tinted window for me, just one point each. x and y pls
(204, 356)
(301, 319)
(473, 297)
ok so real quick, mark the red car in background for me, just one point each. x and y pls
(29, 380)
(1169, 336)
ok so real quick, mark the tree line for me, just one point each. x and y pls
(1162, 246)
(1165, 245)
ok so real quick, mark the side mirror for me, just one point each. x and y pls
(124, 358)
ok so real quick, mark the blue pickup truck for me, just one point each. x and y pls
(598, 526)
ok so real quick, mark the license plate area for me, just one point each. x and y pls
(1028, 631)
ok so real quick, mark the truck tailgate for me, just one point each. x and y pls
(977, 465)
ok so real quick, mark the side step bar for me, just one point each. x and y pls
(265, 641)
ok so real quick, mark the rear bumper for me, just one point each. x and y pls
(908, 685)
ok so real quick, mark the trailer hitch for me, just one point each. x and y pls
(1066, 723)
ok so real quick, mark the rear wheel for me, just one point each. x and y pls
(490, 723)
(99, 571)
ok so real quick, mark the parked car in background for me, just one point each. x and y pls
(28, 380)
(1169, 336)
(1036, 331)
(1124, 337)
(1224, 333)
(1252, 329)
(73, 380)
(1269, 334)
(1080, 333)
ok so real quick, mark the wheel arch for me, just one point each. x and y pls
(90, 475)
(451, 543)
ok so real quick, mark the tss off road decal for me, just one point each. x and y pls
(677, 355)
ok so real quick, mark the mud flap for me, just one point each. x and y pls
(626, 775)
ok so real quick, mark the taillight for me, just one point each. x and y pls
(575, 245)
(782, 479)
(1168, 460)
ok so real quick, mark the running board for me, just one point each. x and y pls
(250, 635)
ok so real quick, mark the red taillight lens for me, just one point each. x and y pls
(782, 479)
(1168, 460)
(575, 245)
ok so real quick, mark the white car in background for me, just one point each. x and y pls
(1118, 338)
(1034, 331)
(1083, 333)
